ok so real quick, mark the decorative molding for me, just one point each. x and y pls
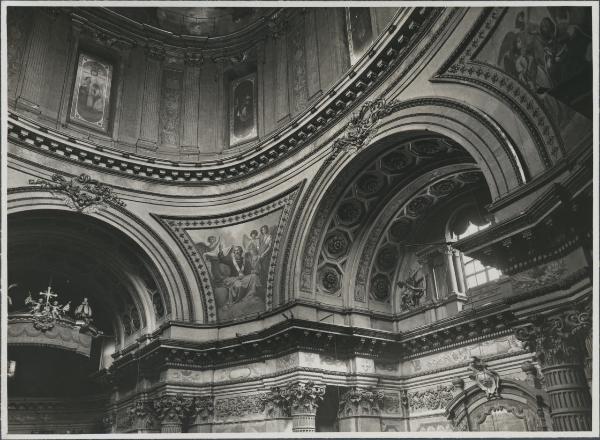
(82, 191)
(350, 91)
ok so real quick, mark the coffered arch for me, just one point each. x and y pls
(479, 139)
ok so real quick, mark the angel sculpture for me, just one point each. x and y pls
(413, 290)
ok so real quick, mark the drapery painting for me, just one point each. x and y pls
(359, 30)
(91, 95)
(242, 110)
(237, 258)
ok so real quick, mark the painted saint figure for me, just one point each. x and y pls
(243, 281)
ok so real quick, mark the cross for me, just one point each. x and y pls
(48, 294)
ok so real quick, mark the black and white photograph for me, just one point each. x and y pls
(307, 219)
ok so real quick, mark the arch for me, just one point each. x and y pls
(179, 302)
(494, 153)
(471, 407)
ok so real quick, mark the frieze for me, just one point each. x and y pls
(431, 399)
(239, 406)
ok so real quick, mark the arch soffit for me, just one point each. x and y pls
(179, 302)
(492, 149)
(409, 204)
(133, 286)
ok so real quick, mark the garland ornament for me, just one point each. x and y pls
(361, 127)
(82, 191)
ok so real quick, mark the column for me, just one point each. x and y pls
(171, 410)
(451, 274)
(202, 412)
(458, 271)
(559, 343)
(303, 399)
(360, 410)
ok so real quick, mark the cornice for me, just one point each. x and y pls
(386, 55)
(554, 197)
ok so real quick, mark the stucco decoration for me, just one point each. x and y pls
(235, 256)
(354, 197)
(383, 251)
(82, 191)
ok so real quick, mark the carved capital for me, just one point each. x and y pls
(202, 409)
(155, 51)
(139, 414)
(303, 396)
(194, 59)
(172, 408)
(360, 402)
(275, 403)
(558, 339)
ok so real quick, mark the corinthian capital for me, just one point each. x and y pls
(172, 408)
(360, 401)
(557, 338)
(303, 396)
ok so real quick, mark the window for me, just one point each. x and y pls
(476, 273)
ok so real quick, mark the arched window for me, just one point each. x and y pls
(467, 221)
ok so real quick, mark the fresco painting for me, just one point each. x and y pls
(549, 51)
(238, 259)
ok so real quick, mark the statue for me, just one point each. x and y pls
(413, 289)
(84, 311)
(45, 311)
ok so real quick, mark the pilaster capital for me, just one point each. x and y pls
(360, 402)
(202, 408)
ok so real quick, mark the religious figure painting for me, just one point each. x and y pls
(237, 258)
(242, 110)
(549, 51)
(91, 95)
(359, 30)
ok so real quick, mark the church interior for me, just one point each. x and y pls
(311, 219)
